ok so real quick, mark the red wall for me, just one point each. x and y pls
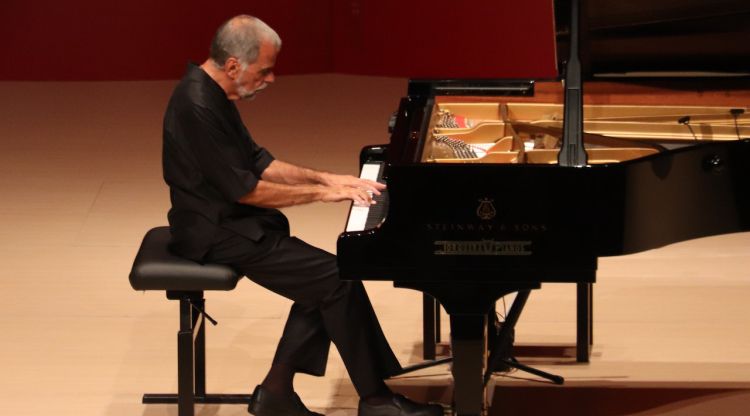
(146, 39)
(437, 39)
(139, 39)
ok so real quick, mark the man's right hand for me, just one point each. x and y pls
(360, 197)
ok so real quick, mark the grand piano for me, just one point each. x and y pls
(499, 186)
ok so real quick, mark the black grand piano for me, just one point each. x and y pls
(498, 186)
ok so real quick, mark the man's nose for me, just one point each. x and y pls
(271, 77)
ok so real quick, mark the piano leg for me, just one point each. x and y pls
(468, 307)
(584, 324)
(469, 345)
(437, 320)
(430, 326)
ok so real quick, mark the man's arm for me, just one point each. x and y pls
(278, 195)
(283, 184)
(287, 173)
(283, 172)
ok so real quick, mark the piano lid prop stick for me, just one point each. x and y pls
(572, 152)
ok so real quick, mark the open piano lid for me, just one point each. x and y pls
(645, 37)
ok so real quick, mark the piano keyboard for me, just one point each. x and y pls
(363, 218)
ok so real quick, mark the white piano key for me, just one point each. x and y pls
(358, 214)
(370, 171)
(357, 218)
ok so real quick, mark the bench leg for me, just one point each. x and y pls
(185, 363)
(191, 361)
(199, 352)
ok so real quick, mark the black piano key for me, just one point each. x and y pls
(377, 212)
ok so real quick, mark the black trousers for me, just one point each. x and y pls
(325, 308)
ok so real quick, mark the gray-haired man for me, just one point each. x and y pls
(225, 190)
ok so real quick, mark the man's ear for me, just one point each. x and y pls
(232, 67)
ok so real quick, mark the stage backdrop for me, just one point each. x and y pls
(146, 39)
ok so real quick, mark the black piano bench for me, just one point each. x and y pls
(155, 268)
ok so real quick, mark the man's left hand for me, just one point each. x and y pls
(354, 182)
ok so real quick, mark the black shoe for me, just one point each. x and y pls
(264, 403)
(399, 406)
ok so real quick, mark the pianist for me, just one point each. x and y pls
(225, 190)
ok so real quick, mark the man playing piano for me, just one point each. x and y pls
(225, 191)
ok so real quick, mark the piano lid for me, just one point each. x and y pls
(659, 36)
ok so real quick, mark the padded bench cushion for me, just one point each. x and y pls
(156, 268)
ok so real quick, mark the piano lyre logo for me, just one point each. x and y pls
(486, 209)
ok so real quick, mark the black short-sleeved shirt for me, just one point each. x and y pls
(209, 162)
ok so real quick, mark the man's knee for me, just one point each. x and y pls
(344, 289)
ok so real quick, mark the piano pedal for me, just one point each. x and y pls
(503, 365)
(505, 347)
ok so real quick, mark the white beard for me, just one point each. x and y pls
(246, 94)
